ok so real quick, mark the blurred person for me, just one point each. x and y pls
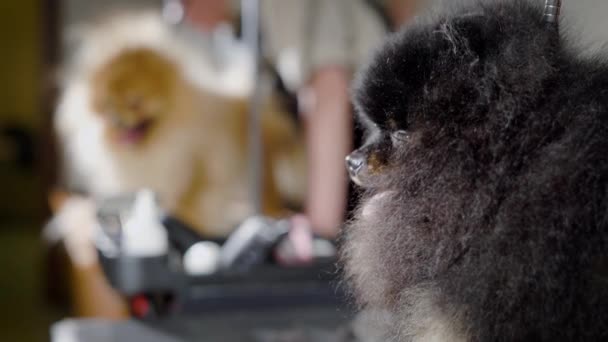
(315, 47)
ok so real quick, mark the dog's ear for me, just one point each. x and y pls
(469, 35)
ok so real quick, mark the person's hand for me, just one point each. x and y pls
(74, 223)
(297, 248)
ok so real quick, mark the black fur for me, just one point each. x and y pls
(494, 217)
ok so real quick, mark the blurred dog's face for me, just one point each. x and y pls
(133, 92)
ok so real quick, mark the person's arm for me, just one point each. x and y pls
(207, 15)
(328, 125)
(400, 11)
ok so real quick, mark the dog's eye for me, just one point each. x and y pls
(400, 136)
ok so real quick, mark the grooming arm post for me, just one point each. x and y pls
(552, 11)
(251, 34)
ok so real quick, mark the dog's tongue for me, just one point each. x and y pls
(133, 135)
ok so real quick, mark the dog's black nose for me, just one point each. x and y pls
(355, 162)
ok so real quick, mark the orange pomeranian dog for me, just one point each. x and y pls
(132, 115)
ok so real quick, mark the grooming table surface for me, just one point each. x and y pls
(299, 324)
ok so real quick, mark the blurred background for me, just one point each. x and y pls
(78, 122)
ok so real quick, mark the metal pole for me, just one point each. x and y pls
(251, 33)
(552, 11)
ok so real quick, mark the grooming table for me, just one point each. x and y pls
(326, 324)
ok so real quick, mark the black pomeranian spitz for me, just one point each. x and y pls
(485, 210)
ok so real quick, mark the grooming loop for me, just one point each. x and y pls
(552, 11)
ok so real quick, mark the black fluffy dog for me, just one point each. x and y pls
(485, 211)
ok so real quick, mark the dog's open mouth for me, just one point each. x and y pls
(355, 178)
(135, 133)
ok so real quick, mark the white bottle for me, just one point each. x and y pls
(143, 233)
